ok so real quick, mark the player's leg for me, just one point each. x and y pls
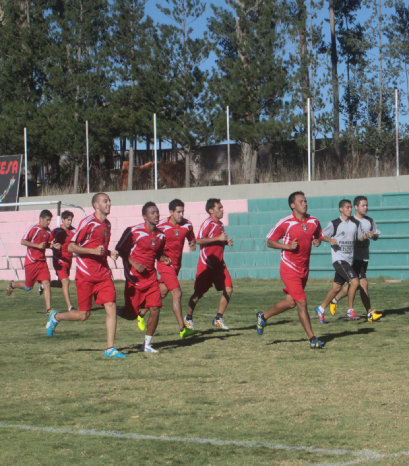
(218, 321)
(334, 302)
(152, 324)
(163, 290)
(335, 289)
(17, 285)
(177, 307)
(65, 282)
(47, 295)
(193, 300)
(110, 323)
(306, 323)
(352, 289)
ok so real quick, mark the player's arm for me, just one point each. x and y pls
(331, 241)
(165, 259)
(76, 249)
(113, 254)
(29, 244)
(286, 247)
(136, 265)
(56, 246)
(192, 244)
(222, 238)
(327, 235)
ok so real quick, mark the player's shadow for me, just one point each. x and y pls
(400, 311)
(197, 339)
(328, 337)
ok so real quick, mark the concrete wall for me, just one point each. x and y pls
(242, 191)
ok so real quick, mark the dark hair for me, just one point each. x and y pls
(95, 198)
(146, 206)
(358, 199)
(210, 203)
(66, 214)
(175, 203)
(342, 202)
(291, 197)
(46, 213)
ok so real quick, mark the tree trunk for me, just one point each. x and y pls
(130, 168)
(188, 158)
(249, 156)
(335, 83)
(76, 177)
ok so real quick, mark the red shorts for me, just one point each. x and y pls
(36, 272)
(205, 278)
(62, 268)
(136, 298)
(102, 291)
(168, 276)
(294, 284)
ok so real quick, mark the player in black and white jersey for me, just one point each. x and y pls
(342, 234)
(361, 258)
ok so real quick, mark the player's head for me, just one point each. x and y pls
(101, 203)
(345, 207)
(45, 218)
(361, 205)
(298, 202)
(214, 208)
(66, 218)
(292, 196)
(150, 213)
(176, 210)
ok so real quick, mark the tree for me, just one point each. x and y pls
(183, 107)
(251, 78)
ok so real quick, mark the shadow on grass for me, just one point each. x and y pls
(328, 337)
(400, 311)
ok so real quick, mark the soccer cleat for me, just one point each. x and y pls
(149, 349)
(373, 316)
(189, 323)
(333, 307)
(52, 322)
(219, 323)
(141, 323)
(320, 315)
(114, 353)
(316, 344)
(187, 332)
(352, 315)
(40, 290)
(261, 323)
(10, 288)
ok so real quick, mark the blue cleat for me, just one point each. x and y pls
(261, 323)
(114, 353)
(316, 344)
(320, 315)
(52, 322)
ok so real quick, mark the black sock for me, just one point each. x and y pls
(188, 317)
(312, 338)
(219, 316)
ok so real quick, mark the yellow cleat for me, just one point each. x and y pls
(373, 316)
(333, 307)
(141, 323)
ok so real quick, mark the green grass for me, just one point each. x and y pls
(231, 386)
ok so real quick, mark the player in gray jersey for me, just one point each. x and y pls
(361, 258)
(342, 234)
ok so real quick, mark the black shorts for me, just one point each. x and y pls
(360, 268)
(344, 272)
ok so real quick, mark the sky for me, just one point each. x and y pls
(200, 25)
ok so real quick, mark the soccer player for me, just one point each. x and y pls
(62, 258)
(93, 275)
(176, 229)
(37, 240)
(361, 258)
(298, 232)
(342, 234)
(140, 246)
(211, 268)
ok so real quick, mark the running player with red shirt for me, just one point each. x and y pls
(93, 275)
(298, 232)
(62, 259)
(37, 240)
(140, 246)
(211, 268)
(176, 229)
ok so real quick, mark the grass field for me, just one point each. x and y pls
(217, 398)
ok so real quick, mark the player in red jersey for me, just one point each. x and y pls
(62, 258)
(37, 240)
(298, 232)
(93, 275)
(211, 268)
(176, 229)
(140, 246)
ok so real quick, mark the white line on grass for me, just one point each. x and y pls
(362, 455)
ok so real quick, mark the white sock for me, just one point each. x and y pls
(335, 301)
(321, 309)
(148, 339)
